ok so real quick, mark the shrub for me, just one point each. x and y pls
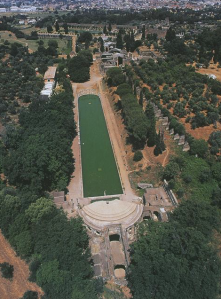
(7, 270)
(30, 295)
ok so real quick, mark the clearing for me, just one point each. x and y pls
(64, 46)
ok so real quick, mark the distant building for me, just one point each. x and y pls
(24, 8)
(2, 9)
(14, 8)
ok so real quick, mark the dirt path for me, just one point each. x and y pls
(74, 43)
(75, 186)
(19, 285)
(165, 158)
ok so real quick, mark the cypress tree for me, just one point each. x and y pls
(57, 26)
(141, 98)
(119, 43)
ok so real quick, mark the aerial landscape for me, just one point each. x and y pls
(110, 149)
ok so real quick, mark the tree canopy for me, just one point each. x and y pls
(177, 259)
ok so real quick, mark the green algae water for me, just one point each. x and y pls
(99, 170)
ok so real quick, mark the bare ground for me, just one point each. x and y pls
(20, 284)
(211, 70)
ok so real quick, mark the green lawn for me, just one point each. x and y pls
(64, 46)
(98, 164)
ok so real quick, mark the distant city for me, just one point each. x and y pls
(134, 5)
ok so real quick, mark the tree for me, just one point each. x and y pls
(141, 98)
(7, 270)
(199, 215)
(24, 243)
(138, 156)
(151, 131)
(85, 36)
(170, 35)
(57, 26)
(215, 142)
(160, 146)
(79, 66)
(143, 32)
(49, 29)
(53, 280)
(177, 258)
(43, 207)
(101, 44)
(53, 44)
(115, 76)
(30, 295)
(109, 27)
(119, 43)
(171, 170)
(199, 147)
(65, 26)
(105, 29)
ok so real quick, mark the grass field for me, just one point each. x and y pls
(64, 46)
(100, 175)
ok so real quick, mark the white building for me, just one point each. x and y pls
(14, 8)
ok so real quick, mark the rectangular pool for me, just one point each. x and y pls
(99, 170)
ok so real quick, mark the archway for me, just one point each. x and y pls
(120, 61)
(114, 237)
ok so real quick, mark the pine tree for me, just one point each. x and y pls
(109, 27)
(105, 29)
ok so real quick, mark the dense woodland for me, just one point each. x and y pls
(36, 158)
(177, 259)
